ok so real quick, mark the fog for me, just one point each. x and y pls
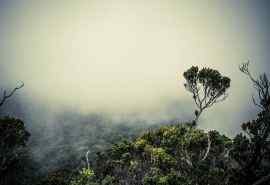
(126, 58)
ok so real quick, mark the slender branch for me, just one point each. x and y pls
(261, 85)
(208, 147)
(7, 96)
(87, 159)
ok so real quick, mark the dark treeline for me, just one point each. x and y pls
(171, 153)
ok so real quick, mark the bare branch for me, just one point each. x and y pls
(7, 96)
(208, 148)
(262, 86)
(255, 103)
(87, 159)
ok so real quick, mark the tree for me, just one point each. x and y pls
(261, 85)
(13, 138)
(207, 86)
(251, 151)
(12, 134)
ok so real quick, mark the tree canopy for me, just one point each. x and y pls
(207, 86)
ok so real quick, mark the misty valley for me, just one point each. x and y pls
(98, 149)
(134, 92)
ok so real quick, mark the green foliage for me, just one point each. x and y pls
(207, 86)
(170, 155)
(211, 79)
(121, 150)
(13, 139)
(85, 177)
(17, 166)
(12, 133)
(58, 177)
(160, 156)
(109, 180)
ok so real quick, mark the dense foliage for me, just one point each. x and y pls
(173, 155)
(170, 155)
(12, 148)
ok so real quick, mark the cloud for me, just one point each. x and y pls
(127, 57)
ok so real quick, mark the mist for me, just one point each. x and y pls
(124, 60)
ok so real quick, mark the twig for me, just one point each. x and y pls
(7, 96)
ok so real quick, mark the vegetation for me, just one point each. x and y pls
(13, 150)
(207, 86)
(170, 155)
(179, 154)
(251, 150)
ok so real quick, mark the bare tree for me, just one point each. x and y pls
(6, 95)
(262, 86)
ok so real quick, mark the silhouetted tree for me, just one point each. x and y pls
(252, 150)
(207, 86)
(13, 138)
(262, 86)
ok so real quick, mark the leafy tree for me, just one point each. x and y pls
(12, 134)
(207, 86)
(13, 139)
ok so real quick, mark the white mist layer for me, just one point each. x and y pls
(126, 57)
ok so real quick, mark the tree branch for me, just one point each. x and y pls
(7, 96)
(208, 148)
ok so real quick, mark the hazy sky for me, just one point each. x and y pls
(128, 56)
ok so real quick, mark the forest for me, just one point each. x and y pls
(173, 152)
